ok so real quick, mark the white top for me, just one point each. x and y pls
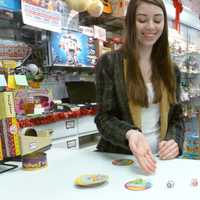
(56, 182)
(150, 120)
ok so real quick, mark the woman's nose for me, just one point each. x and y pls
(150, 24)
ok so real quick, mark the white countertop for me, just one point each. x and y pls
(56, 182)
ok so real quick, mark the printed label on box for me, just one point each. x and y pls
(32, 145)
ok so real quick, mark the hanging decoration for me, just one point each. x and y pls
(179, 8)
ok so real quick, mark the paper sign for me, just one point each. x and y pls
(2, 80)
(42, 15)
(38, 110)
(21, 80)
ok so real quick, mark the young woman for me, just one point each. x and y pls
(138, 90)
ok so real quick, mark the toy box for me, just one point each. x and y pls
(2, 142)
(6, 105)
(191, 146)
(13, 5)
(33, 143)
(1, 146)
(10, 137)
(27, 100)
(72, 49)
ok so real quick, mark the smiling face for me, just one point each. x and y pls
(149, 24)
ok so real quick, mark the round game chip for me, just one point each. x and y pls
(89, 180)
(138, 184)
(122, 162)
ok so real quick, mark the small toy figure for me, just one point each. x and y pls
(70, 45)
(170, 184)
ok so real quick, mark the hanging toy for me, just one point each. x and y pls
(95, 9)
(79, 5)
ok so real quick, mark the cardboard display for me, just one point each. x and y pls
(30, 144)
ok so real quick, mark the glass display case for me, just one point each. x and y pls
(185, 51)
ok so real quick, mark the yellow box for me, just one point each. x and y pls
(9, 64)
(7, 108)
(1, 150)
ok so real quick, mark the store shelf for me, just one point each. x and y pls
(11, 20)
(106, 21)
(79, 69)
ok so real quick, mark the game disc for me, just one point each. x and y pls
(122, 162)
(138, 184)
(89, 180)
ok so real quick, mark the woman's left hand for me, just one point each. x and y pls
(168, 149)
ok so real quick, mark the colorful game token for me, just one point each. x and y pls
(194, 182)
(89, 180)
(170, 184)
(122, 162)
(138, 184)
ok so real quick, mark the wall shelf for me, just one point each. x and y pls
(106, 21)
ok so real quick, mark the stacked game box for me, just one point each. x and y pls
(191, 146)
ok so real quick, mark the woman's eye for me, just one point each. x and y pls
(157, 21)
(141, 20)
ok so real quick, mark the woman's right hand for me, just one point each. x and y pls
(141, 150)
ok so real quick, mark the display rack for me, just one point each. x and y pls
(185, 52)
(106, 21)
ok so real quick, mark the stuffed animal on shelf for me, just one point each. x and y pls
(79, 5)
(93, 7)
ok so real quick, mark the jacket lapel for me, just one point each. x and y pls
(121, 86)
(135, 110)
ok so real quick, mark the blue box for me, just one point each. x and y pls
(12, 5)
(72, 49)
(191, 146)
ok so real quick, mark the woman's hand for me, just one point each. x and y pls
(141, 150)
(168, 149)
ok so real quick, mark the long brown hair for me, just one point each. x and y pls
(162, 68)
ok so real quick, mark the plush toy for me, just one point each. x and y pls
(79, 5)
(95, 9)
